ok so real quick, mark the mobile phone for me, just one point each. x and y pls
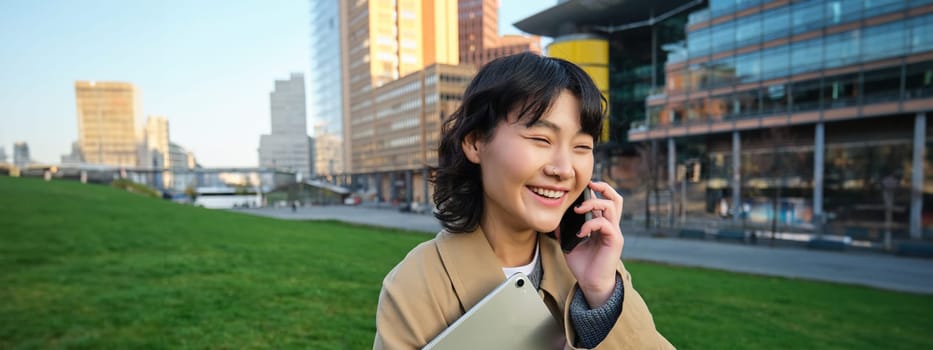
(571, 223)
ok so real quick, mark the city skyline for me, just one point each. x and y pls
(209, 77)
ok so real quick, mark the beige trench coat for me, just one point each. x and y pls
(442, 278)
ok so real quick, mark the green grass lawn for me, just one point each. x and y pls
(87, 266)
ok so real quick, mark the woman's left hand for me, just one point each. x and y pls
(593, 262)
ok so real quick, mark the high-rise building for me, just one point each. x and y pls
(324, 83)
(288, 145)
(2, 155)
(192, 161)
(396, 145)
(479, 39)
(75, 156)
(178, 157)
(155, 144)
(383, 40)
(21, 154)
(479, 28)
(107, 122)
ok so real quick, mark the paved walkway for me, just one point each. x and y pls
(869, 269)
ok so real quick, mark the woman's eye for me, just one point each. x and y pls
(541, 140)
(585, 147)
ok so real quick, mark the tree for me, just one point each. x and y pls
(191, 192)
(648, 169)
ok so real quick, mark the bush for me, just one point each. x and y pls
(133, 187)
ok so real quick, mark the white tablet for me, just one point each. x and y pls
(512, 316)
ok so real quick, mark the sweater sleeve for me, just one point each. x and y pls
(591, 325)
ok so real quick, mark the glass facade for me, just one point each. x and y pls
(860, 45)
(631, 74)
(850, 77)
(325, 103)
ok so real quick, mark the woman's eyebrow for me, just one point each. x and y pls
(545, 124)
(554, 127)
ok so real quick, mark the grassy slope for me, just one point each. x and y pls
(90, 266)
(84, 266)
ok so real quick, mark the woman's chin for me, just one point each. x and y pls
(547, 228)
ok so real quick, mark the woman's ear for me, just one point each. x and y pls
(471, 148)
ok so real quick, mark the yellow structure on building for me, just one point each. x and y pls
(592, 54)
(107, 122)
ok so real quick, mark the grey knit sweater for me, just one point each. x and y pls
(591, 325)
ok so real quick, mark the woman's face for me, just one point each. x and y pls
(532, 174)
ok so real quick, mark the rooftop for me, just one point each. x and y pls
(576, 16)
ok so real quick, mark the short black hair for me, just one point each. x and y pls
(526, 83)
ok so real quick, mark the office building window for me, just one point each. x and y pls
(879, 7)
(746, 102)
(805, 95)
(721, 72)
(698, 42)
(840, 91)
(842, 49)
(695, 110)
(723, 37)
(775, 24)
(774, 99)
(715, 107)
(774, 62)
(748, 67)
(842, 11)
(921, 34)
(654, 115)
(806, 55)
(854, 175)
(887, 40)
(747, 30)
(721, 7)
(919, 82)
(881, 85)
(806, 16)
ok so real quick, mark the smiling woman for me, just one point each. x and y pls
(512, 160)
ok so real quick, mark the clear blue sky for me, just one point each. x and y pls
(207, 65)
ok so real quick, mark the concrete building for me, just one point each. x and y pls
(155, 143)
(381, 41)
(2, 155)
(479, 39)
(325, 89)
(192, 161)
(21, 154)
(810, 115)
(288, 146)
(107, 122)
(396, 136)
(178, 157)
(73, 158)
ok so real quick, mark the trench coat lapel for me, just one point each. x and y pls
(473, 268)
(557, 279)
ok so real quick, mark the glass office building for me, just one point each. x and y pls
(813, 112)
(325, 107)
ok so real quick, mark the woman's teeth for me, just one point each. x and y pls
(548, 193)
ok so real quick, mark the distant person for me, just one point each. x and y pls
(294, 206)
(512, 159)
